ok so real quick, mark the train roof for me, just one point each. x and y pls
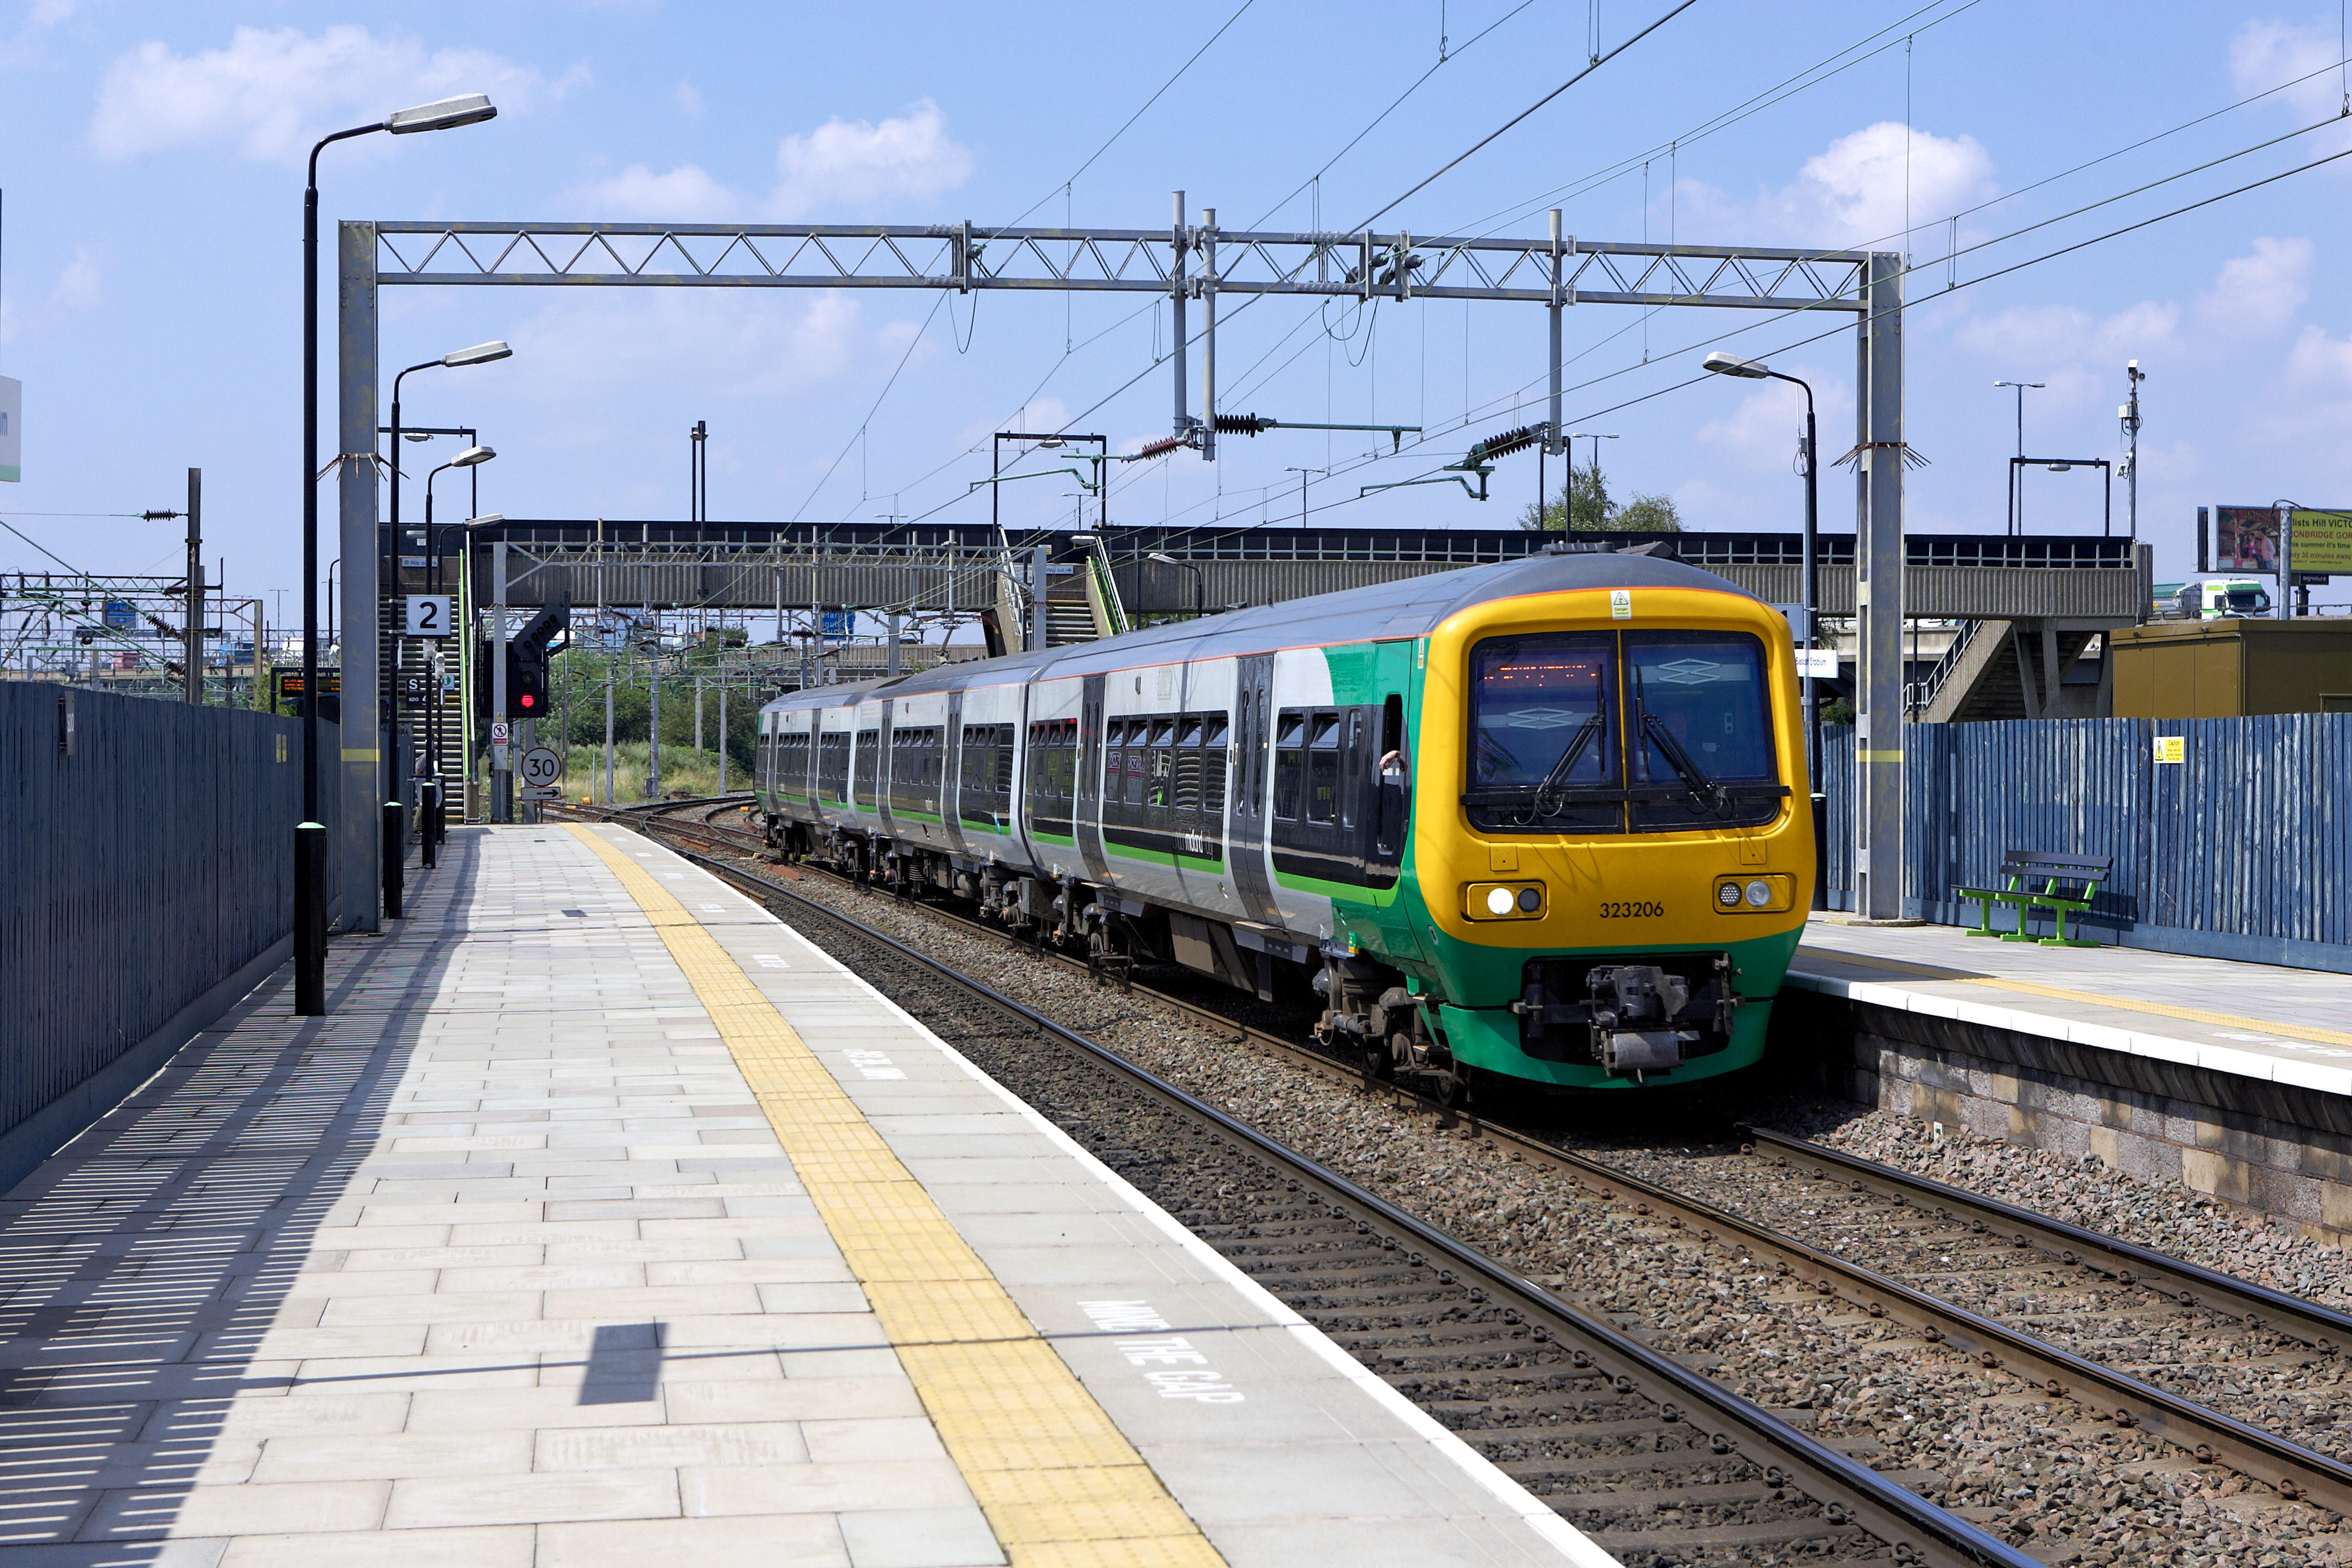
(1408, 607)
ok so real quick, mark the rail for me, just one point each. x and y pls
(2209, 1435)
(1915, 1530)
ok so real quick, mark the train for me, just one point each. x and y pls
(1543, 824)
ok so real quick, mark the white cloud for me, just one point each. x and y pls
(2262, 292)
(689, 100)
(840, 164)
(1852, 193)
(2265, 54)
(737, 342)
(77, 287)
(2320, 363)
(849, 162)
(273, 91)
(1762, 429)
(685, 195)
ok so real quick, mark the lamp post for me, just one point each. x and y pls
(1198, 589)
(1302, 474)
(1568, 444)
(2016, 498)
(480, 353)
(310, 834)
(1722, 364)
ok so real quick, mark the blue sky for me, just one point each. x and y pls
(150, 161)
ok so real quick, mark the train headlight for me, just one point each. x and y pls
(1767, 894)
(1503, 900)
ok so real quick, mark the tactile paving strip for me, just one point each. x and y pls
(1061, 1485)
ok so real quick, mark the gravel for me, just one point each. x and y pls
(2039, 1472)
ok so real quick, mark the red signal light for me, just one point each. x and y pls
(528, 700)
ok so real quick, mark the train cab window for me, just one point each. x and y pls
(1543, 734)
(1701, 731)
(1323, 769)
(1290, 764)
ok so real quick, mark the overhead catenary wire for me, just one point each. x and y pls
(1833, 331)
(1483, 142)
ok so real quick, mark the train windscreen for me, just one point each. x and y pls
(1696, 699)
(1544, 733)
(1603, 731)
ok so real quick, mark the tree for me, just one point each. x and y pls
(1583, 505)
(1649, 515)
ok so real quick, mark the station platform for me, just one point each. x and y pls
(2232, 1080)
(607, 1221)
(2250, 1020)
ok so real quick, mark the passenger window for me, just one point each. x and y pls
(1289, 765)
(1323, 769)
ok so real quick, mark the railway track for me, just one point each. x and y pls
(1655, 1461)
(2074, 1284)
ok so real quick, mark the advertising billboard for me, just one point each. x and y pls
(2321, 541)
(2245, 538)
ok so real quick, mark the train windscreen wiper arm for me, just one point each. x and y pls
(1548, 801)
(1679, 758)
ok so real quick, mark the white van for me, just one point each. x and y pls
(2221, 598)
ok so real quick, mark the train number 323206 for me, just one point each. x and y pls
(1632, 911)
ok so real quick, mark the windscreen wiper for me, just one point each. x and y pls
(1548, 797)
(1702, 787)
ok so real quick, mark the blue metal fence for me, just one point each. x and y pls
(137, 872)
(2241, 850)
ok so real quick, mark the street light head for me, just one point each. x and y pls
(487, 520)
(471, 455)
(1722, 364)
(415, 436)
(1051, 443)
(1082, 538)
(2061, 468)
(1163, 558)
(480, 353)
(445, 115)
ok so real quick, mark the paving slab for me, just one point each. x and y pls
(507, 1261)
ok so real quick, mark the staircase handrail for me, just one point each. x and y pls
(1105, 589)
(1944, 667)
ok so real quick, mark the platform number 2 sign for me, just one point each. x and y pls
(428, 615)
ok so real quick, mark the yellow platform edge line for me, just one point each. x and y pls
(1058, 1483)
(2061, 993)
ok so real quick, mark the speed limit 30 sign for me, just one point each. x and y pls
(541, 768)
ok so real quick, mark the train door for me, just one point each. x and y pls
(951, 776)
(1088, 829)
(1253, 748)
(883, 783)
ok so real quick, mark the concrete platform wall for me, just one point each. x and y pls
(2269, 1148)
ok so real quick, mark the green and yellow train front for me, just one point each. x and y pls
(1611, 851)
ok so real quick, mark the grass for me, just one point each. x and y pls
(685, 771)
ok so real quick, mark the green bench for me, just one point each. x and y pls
(2062, 884)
